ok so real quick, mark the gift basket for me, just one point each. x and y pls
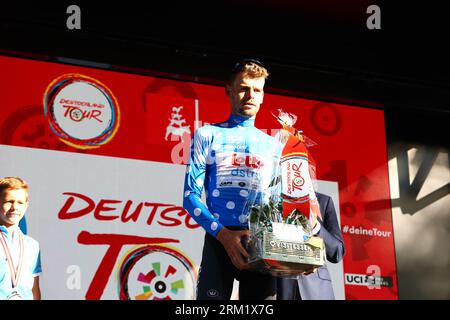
(281, 213)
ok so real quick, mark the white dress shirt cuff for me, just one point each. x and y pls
(316, 228)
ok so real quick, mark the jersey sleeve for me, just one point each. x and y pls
(196, 171)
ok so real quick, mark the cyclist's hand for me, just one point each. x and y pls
(231, 241)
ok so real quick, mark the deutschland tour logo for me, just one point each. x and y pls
(155, 272)
(81, 111)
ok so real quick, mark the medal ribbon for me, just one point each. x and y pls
(15, 272)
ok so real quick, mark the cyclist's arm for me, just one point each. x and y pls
(194, 182)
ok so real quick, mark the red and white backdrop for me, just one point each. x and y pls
(104, 154)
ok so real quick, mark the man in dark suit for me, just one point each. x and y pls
(317, 285)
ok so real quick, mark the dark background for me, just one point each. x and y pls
(320, 49)
(313, 49)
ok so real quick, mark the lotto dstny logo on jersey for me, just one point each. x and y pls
(247, 160)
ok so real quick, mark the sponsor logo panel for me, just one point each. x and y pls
(371, 281)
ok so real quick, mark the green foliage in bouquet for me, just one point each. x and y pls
(262, 216)
(298, 218)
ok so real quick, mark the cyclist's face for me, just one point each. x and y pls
(246, 95)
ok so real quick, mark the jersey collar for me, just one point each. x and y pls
(235, 120)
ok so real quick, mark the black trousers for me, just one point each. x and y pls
(287, 289)
(217, 274)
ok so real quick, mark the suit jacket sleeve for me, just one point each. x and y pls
(330, 231)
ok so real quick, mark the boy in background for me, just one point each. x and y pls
(20, 263)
